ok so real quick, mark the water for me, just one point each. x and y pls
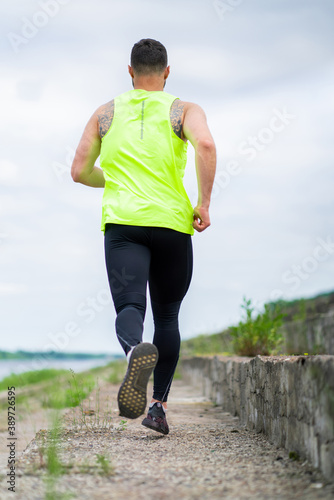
(8, 366)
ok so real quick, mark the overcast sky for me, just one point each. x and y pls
(263, 71)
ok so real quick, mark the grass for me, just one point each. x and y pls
(206, 345)
(53, 464)
(54, 467)
(117, 371)
(105, 467)
(60, 388)
(49, 443)
(91, 418)
(29, 378)
(68, 391)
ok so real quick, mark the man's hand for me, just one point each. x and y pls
(201, 218)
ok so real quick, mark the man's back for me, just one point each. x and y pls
(143, 161)
(105, 115)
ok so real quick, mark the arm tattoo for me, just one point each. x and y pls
(105, 118)
(175, 115)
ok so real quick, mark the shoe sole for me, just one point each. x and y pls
(154, 426)
(132, 393)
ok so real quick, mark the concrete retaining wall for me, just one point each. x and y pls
(290, 399)
(312, 335)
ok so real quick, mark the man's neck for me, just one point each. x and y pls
(149, 84)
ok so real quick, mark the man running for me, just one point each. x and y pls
(147, 218)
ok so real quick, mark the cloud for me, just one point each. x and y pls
(263, 56)
(9, 173)
(13, 289)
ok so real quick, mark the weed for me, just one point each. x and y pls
(42, 448)
(259, 334)
(62, 395)
(97, 404)
(107, 418)
(89, 418)
(85, 467)
(293, 455)
(106, 469)
(122, 425)
(54, 467)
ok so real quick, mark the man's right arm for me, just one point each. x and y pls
(196, 130)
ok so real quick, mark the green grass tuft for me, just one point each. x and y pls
(29, 378)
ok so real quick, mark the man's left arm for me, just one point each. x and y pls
(83, 168)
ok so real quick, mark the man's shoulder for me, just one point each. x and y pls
(104, 115)
(111, 103)
(104, 107)
(186, 106)
(190, 105)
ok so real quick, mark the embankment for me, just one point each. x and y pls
(288, 398)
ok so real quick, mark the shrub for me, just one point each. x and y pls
(257, 334)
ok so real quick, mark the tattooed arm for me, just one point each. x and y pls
(195, 128)
(176, 117)
(83, 169)
(105, 115)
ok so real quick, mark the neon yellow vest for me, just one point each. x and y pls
(143, 162)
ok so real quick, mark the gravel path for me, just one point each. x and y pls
(205, 456)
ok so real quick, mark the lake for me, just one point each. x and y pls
(8, 366)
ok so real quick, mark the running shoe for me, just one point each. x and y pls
(156, 419)
(132, 393)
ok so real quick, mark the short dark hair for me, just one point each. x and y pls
(148, 56)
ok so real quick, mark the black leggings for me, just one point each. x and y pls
(162, 257)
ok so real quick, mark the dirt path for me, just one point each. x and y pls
(205, 456)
